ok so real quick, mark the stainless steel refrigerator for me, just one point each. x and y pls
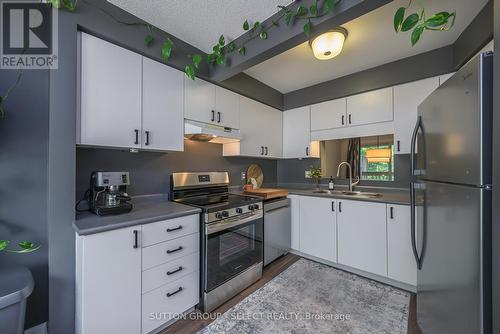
(451, 167)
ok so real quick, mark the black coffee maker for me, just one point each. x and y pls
(108, 193)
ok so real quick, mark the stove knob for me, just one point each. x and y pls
(251, 208)
(218, 215)
(225, 214)
(239, 210)
(256, 207)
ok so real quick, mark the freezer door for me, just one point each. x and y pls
(456, 127)
(453, 283)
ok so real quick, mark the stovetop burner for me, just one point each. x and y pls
(212, 203)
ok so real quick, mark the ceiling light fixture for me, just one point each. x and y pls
(328, 45)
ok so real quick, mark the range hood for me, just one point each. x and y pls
(198, 131)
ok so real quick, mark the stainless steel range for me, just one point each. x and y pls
(231, 234)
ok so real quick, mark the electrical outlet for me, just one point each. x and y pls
(308, 174)
(244, 175)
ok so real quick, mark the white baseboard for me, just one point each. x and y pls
(39, 329)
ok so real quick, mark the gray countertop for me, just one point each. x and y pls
(147, 209)
(387, 194)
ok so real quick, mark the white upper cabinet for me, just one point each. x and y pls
(362, 238)
(401, 264)
(318, 227)
(261, 131)
(329, 115)
(407, 98)
(371, 107)
(297, 134)
(199, 100)
(227, 108)
(111, 89)
(163, 107)
(207, 103)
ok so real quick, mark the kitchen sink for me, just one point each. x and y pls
(321, 191)
(360, 193)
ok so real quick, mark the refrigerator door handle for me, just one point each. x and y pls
(413, 225)
(412, 145)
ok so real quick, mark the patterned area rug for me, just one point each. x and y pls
(310, 297)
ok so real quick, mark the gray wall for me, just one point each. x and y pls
(293, 171)
(150, 171)
(23, 180)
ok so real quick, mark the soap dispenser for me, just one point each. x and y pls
(331, 184)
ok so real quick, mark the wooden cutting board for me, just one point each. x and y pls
(267, 193)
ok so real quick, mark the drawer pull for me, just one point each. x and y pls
(174, 229)
(170, 294)
(175, 271)
(170, 251)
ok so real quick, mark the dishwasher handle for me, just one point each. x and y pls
(276, 205)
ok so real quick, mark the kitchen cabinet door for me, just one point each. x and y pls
(261, 130)
(401, 264)
(318, 227)
(407, 98)
(199, 100)
(110, 96)
(329, 115)
(163, 107)
(295, 213)
(371, 107)
(297, 134)
(362, 236)
(227, 108)
(109, 282)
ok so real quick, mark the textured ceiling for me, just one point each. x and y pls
(201, 22)
(371, 42)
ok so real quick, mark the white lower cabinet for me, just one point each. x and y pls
(295, 216)
(401, 264)
(362, 236)
(318, 228)
(126, 286)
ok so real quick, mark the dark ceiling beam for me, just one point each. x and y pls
(477, 34)
(283, 37)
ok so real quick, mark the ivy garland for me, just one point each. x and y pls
(441, 21)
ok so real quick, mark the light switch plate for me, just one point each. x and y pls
(308, 174)
(243, 175)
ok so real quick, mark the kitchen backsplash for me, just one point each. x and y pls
(150, 171)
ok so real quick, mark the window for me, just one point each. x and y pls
(377, 158)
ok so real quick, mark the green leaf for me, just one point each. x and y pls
(26, 245)
(307, 29)
(313, 9)
(398, 18)
(289, 18)
(410, 22)
(216, 48)
(190, 71)
(197, 60)
(246, 26)
(231, 46)
(148, 40)
(222, 40)
(221, 60)
(256, 25)
(166, 49)
(242, 50)
(302, 11)
(329, 5)
(69, 5)
(55, 3)
(415, 35)
(4, 244)
(263, 35)
(438, 19)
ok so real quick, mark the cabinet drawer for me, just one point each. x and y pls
(169, 272)
(158, 308)
(169, 229)
(170, 250)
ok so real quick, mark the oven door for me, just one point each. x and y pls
(232, 246)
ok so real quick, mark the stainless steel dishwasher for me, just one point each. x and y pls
(277, 229)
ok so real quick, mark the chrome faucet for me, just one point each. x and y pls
(350, 173)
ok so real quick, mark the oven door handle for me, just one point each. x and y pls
(217, 227)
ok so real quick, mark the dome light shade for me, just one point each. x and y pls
(329, 44)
